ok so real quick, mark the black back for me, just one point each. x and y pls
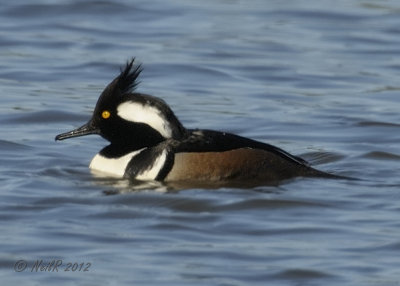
(215, 141)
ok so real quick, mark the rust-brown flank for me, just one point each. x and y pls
(239, 164)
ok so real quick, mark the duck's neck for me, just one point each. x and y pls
(116, 150)
(138, 136)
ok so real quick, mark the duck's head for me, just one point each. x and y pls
(129, 120)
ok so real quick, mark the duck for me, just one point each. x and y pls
(147, 142)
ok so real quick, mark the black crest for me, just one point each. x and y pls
(127, 80)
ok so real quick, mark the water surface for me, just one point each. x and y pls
(316, 78)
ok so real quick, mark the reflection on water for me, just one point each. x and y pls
(316, 79)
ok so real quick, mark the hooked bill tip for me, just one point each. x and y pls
(59, 137)
(65, 135)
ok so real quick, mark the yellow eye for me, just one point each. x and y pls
(106, 114)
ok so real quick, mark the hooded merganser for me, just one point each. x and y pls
(148, 142)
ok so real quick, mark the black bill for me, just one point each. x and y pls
(88, 128)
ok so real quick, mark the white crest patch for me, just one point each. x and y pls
(114, 167)
(137, 112)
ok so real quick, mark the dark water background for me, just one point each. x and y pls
(317, 78)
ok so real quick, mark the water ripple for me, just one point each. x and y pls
(316, 79)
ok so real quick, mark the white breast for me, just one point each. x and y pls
(112, 167)
(115, 167)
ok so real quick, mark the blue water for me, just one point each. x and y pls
(319, 79)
